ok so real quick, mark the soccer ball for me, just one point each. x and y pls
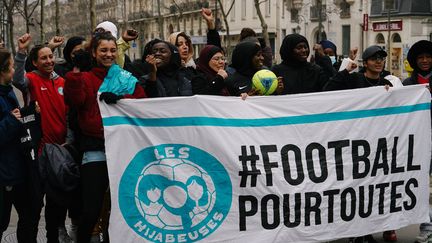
(174, 194)
(265, 82)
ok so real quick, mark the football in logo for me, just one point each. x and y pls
(174, 193)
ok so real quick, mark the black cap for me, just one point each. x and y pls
(372, 51)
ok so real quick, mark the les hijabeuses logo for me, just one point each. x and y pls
(174, 193)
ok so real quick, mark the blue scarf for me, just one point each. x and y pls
(118, 81)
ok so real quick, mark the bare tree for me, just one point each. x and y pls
(92, 14)
(225, 16)
(9, 6)
(57, 17)
(160, 20)
(27, 11)
(264, 25)
(41, 23)
(180, 15)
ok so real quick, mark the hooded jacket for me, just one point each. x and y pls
(172, 79)
(418, 48)
(298, 77)
(241, 80)
(12, 163)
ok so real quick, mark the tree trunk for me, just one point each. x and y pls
(26, 16)
(225, 15)
(92, 14)
(160, 21)
(41, 24)
(11, 29)
(57, 17)
(263, 23)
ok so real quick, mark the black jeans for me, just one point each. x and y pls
(28, 209)
(94, 183)
(55, 213)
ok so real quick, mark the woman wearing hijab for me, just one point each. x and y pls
(166, 76)
(299, 75)
(184, 43)
(247, 59)
(211, 74)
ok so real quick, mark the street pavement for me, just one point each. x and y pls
(405, 235)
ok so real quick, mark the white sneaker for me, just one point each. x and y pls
(424, 237)
(63, 236)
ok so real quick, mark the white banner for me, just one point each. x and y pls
(296, 168)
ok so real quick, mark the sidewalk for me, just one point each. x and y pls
(405, 235)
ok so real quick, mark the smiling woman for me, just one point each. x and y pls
(299, 75)
(81, 93)
(247, 59)
(164, 75)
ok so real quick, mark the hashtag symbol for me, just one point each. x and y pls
(246, 159)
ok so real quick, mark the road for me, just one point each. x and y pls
(405, 235)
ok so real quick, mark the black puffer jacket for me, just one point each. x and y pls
(298, 77)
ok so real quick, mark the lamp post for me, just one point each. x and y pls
(389, 4)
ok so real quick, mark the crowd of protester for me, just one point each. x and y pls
(62, 96)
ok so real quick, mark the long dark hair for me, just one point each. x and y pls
(5, 57)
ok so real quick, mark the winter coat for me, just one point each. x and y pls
(207, 81)
(12, 162)
(241, 80)
(81, 90)
(298, 77)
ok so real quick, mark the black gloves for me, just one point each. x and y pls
(82, 60)
(110, 98)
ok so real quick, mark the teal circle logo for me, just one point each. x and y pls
(174, 193)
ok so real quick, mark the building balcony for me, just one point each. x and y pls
(314, 12)
(189, 6)
(140, 15)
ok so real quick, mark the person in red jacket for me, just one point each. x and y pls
(42, 85)
(81, 90)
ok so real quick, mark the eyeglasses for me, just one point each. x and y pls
(217, 59)
(377, 58)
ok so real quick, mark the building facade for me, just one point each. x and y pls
(347, 23)
(410, 21)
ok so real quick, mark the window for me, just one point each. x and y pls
(390, 4)
(396, 38)
(346, 39)
(379, 39)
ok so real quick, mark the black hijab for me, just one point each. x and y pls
(242, 58)
(287, 49)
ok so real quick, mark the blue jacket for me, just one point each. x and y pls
(12, 163)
